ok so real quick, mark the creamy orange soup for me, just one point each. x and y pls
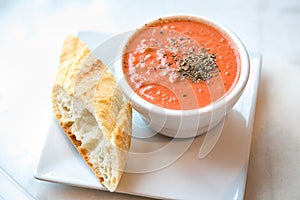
(169, 63)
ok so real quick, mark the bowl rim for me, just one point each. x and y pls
(222, 102)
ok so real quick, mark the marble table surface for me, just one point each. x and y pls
(31, 35)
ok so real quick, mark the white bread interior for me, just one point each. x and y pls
(89, 107)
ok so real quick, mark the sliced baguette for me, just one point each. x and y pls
(90, 109)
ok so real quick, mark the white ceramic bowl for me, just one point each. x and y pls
(189, 123)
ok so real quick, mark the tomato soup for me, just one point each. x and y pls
(180, 63)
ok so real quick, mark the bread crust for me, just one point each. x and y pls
(85, 80)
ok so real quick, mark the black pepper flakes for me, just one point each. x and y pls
(198, 66)
(173, 41)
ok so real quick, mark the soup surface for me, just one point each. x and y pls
(180, 64)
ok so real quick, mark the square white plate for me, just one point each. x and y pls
(220, 175)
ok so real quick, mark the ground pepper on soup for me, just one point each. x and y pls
(180, 63)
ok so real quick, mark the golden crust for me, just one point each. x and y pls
(107, 102)
(112, 115)
(122, 132)
(73, 54)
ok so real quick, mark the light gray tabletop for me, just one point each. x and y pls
(31, 35)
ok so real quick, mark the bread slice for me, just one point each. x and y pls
(89, 107)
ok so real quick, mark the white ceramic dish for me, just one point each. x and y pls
(220, 175)
(187, 123)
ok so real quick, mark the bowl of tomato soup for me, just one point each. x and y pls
(182, 73)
